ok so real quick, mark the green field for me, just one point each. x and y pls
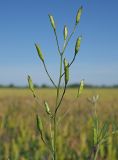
(20, 140)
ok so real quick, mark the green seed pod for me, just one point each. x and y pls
(65, 32)
(39, 52)
(47, 108)
(81, 87)
(66, 69)
(39, 123)
(77, 46)
(95, 136)
(31, 86)
(52, 22)
(78, 16)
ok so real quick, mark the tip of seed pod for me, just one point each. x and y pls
(49, 15)
(81, 7)
(28, 77)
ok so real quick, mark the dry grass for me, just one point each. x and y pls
(19, 138)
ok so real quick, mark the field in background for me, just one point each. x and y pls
(20, 140)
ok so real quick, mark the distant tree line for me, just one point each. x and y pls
(75, 85)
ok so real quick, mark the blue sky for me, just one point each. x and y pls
(24, 22)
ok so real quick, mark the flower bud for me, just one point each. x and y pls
(47, 108)
(66, 69)
(39, 124)
(39, 52)
(65, 32)
(77, 46)
(78, 16)
(81, 87)
(52, 22)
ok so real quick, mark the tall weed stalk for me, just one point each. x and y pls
(63, 73)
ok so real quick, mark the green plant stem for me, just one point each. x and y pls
(58, 102)
(55, 113)
(57, 42)
(70, 64)
(61, 99)
(69, 38)
(96, 153)
(49, 75)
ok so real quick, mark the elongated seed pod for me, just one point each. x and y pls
(78, 16)
(31, 86)
(66, 69)
(78, 43)
(81, 87)
(52, 22)
(95, 135)
(39, 124)
(65, 32)
(47, 108)
(39, 52)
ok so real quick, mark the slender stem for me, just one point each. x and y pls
(46, 144)
(57, 42)
(60, 99)
(57, 99)
(51, 135)
(58, 103)
(70, 64)
(49, 75)
(69, 38)
(96, 153)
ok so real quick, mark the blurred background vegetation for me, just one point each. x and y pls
(20, 140)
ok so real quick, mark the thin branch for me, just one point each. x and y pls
(69, 64)
(49, 75)
(57, 42)
(69, 38)
(61, 99)
(63, 116)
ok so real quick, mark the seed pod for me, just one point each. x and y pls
(39, 52)
(78, 16)
(66, 69)
(47, 108)
(81, 87)
(39, 124)
(65, 32)
(52, 22)
(31, 86)
(77, 46)
(95, 135)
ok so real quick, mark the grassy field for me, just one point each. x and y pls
(20, 140)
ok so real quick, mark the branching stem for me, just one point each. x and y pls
(49, 75)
